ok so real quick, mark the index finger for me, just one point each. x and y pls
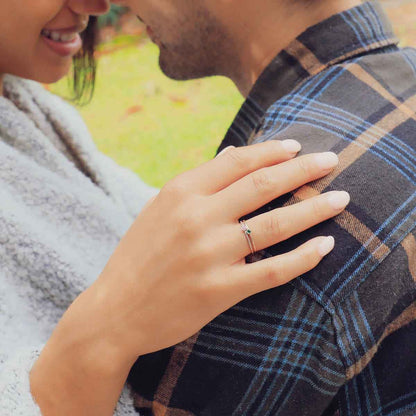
(235, 163)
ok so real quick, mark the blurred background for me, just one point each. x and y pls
(158, 127)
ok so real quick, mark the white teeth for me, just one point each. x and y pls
(68, 37)
(59, 37)
(55, 36)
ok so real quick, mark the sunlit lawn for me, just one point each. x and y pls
(150, 124)
(158, 127)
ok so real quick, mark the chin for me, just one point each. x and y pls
(46, 74)
(51, 79)
(167, 70)
(177, 73)
(54, 75)
(181, 69)
(174, 68)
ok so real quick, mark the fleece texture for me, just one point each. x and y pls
(63, 208)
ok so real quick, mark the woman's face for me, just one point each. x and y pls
(39, 38)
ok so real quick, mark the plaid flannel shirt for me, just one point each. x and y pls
(340, 340)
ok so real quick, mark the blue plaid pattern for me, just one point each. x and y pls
(339, 340)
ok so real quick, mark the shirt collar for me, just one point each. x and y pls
(354, 32)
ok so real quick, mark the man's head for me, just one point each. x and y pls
(191, 38)
(235, 38)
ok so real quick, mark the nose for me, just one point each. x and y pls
(90, 7)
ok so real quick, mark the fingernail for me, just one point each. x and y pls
(339, 200)
(291, 146)
(225, 150)
(327, 160)
(326, 246)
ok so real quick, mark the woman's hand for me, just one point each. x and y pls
(179, 266)
(182, 262)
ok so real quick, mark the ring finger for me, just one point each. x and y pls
(282, 223)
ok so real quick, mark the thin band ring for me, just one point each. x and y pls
(247, 233)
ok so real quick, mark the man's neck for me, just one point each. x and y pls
(269, 29)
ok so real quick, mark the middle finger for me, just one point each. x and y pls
(258, 188)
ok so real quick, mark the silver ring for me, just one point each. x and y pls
(248, 235)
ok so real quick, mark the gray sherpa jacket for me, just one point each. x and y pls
(63, 208)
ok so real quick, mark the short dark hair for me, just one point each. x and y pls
(85, 65)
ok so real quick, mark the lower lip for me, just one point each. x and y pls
(64, 49)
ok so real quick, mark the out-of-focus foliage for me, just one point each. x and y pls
(112, 18)
(153, 125)
(158, 127)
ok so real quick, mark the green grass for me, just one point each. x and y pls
(155, 126)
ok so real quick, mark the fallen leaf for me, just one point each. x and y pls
(131, 110)
(178, 99)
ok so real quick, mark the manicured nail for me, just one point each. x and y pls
(339, 200)
(326, 246)
(327, 160)
(291, 146)
(225, 150)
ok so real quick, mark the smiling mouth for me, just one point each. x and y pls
(64, 42)
(65, 35)
(59, 36)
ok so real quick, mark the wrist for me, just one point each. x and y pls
(75, 384)
(84, 337)
(82, 366)
(88, 329)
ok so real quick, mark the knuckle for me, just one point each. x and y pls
(205, 251)
(309, 257)
(262, 181)
(301, 257)
(194, 222)
(317, 208)
(273, 275)
(237, 158)
(271, 146)
(305, 166)
(188, 224)
(272, 225)
(175, 187)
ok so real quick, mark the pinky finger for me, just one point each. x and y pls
(276, 271)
